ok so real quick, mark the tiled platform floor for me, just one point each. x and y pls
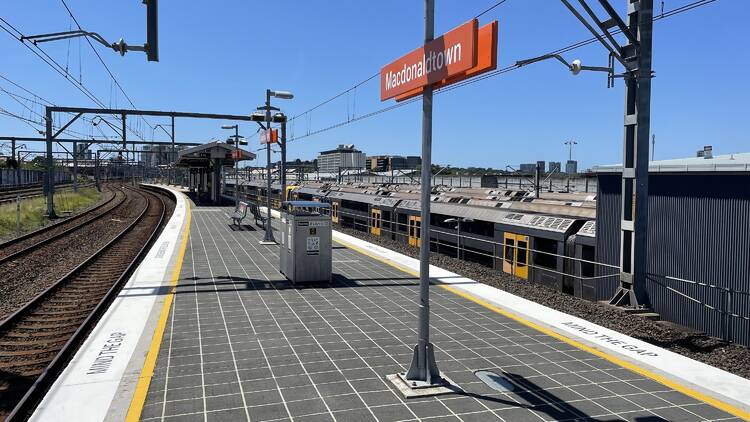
(242, 344)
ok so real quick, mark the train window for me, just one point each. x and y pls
(509, 250)
(545, 260)
(482, 228)
(355, 206)
(402, 218)
(522, 252)
(587, 268)
(419, 228)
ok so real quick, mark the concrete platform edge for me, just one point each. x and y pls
(703, 382)
(94, 389)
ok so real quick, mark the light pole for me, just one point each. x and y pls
(458, 222)
(570, 158)
(235, 139)
(171, 156)
(285, 95)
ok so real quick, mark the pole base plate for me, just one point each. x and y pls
(418, 389)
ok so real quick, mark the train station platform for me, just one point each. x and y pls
(235, 341)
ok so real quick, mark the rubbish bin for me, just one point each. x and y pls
(305, 253)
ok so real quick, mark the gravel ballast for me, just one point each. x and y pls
(712, 351)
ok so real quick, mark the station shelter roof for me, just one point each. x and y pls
(202, 156)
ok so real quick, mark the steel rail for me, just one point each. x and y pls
(10, 196)
(60, 235)
(56, 224)
(41, 384)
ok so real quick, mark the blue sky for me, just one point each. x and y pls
(221, 56)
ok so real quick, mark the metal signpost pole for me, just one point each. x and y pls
(423, 368)
(268, 238)
(236, 167)
(283, 158)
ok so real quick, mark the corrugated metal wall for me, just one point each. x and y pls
(699, 230)
(10, 177)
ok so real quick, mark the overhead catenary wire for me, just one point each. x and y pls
(111, 75)
(571, 47)
(37, 100)
(57, 67)
(371, 77)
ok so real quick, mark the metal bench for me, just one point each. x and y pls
(239, 214)
(257, 215)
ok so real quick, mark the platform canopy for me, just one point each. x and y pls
(203, 156)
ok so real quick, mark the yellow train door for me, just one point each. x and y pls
(522, 257)
(335, 212)
(375, 221)
(414, 230)
(516, 255)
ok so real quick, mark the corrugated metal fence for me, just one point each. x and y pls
(12, 177)
(699, 249)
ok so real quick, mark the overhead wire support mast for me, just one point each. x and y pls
(636, 57)
(151, 47)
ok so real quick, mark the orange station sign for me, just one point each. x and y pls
(461, 53)
(269, 136)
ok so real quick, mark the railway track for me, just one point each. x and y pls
(10, 194)
(37, 340)
(60, 228)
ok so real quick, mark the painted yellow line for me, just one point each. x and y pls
(147, 372)
(617, 361)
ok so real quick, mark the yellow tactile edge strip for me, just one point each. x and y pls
(147, 372)
(611, 358)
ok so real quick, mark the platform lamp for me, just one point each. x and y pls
(237, 140)
(268, 118)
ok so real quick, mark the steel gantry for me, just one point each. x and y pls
(51, 137)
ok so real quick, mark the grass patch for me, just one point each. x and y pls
(33, 210)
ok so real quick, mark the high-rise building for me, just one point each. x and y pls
(554, 166)
(527, 168)
(571, 167)
(542, 166)
(160, 155)
(344, 157)
(82, 152)
(393, 162)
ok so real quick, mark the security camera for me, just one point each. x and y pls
(575, 67)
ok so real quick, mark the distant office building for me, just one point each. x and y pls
(378, 163)
(405, 163)
(571, 167)
(344, 157)
(542, 165)
(393, 162)
(554, 166)
(309, 165)
(83, 152)
(528, 168)
(160, 155)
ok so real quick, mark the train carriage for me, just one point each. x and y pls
(584, 250)
(534, 247)
(362, 212)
